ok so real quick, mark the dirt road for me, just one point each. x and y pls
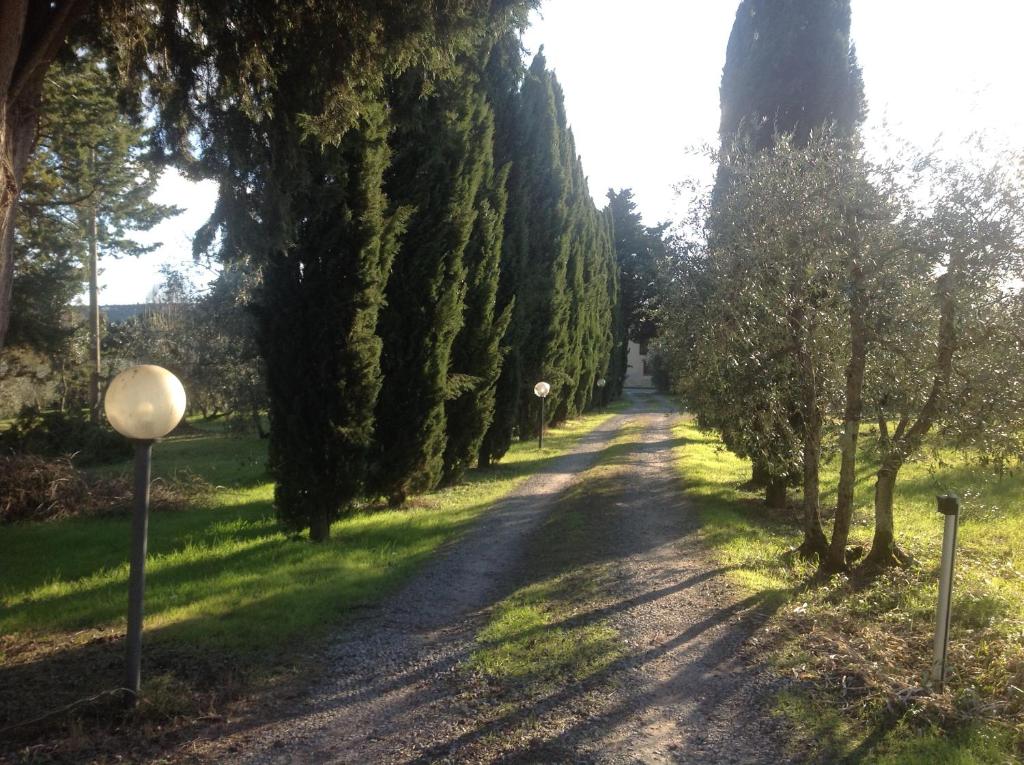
(396, 688)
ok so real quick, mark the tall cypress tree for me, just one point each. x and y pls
(543, 299)
(503, 77)
(323, 287)
(293, 127)
(790, 68)
(442, 155)
(478, 354)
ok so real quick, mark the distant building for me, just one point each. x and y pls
(639, 366)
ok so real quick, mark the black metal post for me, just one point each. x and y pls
(137, 573)
(949, 506)
(540, 438)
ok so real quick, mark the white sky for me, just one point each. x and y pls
(641, 84)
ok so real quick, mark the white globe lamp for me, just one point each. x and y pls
(143, 403)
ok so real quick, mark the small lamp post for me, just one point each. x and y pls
(601, 382)
(143, 403)
(541, 391)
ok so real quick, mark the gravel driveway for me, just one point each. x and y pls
(682, 692)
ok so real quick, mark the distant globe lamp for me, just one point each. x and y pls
(541, 391)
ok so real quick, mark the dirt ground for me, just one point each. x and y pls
(395, 689)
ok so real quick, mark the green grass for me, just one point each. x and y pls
(221, 575)
(535, 639)
(879, 631)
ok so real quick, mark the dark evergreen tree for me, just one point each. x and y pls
(286, 105)
(637, 248)
(478, 353)
(503, 78)
(543, 300)
(323, 287)
(790, 68)
(442, 152)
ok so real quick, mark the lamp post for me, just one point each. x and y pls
(541, 391)
(143, 403)
(601, 382)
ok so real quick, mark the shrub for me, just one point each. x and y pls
(60, 434)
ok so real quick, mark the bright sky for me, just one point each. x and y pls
(641, 84)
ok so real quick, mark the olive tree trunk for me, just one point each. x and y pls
(835, 561)
(907, 440)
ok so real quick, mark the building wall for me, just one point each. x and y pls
(638, 371)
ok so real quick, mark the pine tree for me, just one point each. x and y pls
(87, 189)
(442, 153)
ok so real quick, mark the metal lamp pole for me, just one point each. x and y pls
(137, 572)
(540, 438)
(949, 506)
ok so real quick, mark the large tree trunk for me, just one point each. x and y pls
(835, 561)
(17, 135)
(775, 493)
(31, 33)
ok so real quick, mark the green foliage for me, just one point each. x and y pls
(503, 78)
(317, 314)
(477, 354)
(442, 147)
(89, 176)
(558, 264)
(638, 250)
(57, 434)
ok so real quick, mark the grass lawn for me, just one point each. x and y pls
(227, 593)
(862, 647)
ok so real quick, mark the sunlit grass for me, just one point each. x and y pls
(890, 619)
(222, 575)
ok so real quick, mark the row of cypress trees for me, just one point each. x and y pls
(559, 278)
(448, 256)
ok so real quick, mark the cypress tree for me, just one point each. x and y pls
(636, 246)
(790, 68)
(442, 148)
(294, 128)
(478, 354)
(323, 286)
(543, 295)
(503, 77)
